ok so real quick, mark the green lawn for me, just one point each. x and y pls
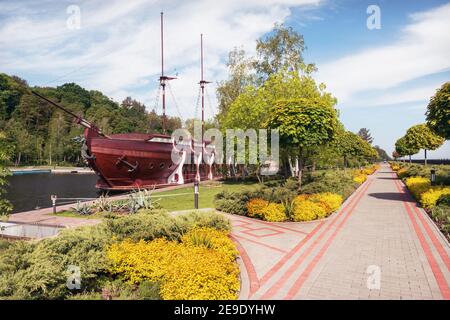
(182, 201)
(73, 214)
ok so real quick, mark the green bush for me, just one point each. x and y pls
(4, 244)
(417, 170)
(202, 219)
(340, 182)
(441, 214)
(444, 200)
(121, 290)
(39, 270)
(234, 202)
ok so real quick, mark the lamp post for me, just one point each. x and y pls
(196, 187)
(53, 197)
(433, 176)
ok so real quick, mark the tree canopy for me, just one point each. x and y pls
(404, 149)
(421, 137)
(438, 112)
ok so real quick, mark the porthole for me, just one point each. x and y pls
(161, 165)
(151, 165)
(170, 165)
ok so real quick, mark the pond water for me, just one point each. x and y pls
(29, 231)
(29, 191)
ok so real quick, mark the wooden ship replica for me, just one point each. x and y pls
(135, 160)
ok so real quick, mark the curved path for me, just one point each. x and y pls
(380, 245)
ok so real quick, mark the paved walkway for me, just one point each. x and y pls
(380, 245)
(45, 216)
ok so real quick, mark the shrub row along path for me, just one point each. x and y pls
(379, 245)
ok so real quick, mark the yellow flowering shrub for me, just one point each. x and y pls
(212, 239)
(307, 210)
(201, 274)
(331, 201)
(186, 270)
(256, 206)
(274, 212)
(368, 171)
(401, 172)
(360, 178)
(418, 185)
(302, 197)
(429, 198)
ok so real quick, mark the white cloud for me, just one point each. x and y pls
(117, 48)
(423, 49)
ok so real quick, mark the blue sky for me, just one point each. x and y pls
(382, 78)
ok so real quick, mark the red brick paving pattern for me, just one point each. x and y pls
(379, 225)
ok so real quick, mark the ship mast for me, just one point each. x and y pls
(163, 78)
(202, 85)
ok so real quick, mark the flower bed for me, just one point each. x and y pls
(201, 266)
(433, 198)
(323, 194)
(142, 256)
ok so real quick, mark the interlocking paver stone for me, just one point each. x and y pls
(378, 228)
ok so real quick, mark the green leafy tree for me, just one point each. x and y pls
(252, 108)
(352, 147)
(303, 124)
(421, 137)
(438, 112)
(281, 50)
(21, 140)
(5, 151)
(382, 154)
(403, 148)
(364, 133)
(240, 76)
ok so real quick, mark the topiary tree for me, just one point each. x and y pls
(404, 149)
(303, 123)
(395, 155)
(438, 112)
(421, 137)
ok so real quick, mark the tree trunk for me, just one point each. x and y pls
(19, 156)
(410, 159)
(300, 173)
(425, 156)
(313, 168)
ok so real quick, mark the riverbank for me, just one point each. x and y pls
(46, 216)
(50, 169)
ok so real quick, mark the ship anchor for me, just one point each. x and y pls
(132, 167)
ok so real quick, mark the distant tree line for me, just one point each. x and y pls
(39, 134)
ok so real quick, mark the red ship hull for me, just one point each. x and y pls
(132, 161)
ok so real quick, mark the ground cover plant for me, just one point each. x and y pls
(193, 242)
(433, 197)
(322, 194)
